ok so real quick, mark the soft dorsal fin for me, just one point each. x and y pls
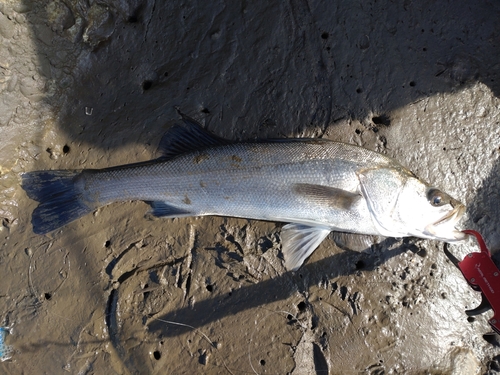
(299, 241)
(186, 137)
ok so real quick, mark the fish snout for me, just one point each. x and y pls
(444, 229)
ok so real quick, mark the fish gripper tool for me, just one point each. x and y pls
(482, 275)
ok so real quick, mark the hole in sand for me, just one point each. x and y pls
(146, 85)
(381, 120)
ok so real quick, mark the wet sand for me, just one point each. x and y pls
(91, 85)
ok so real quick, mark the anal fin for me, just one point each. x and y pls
(299, 241)
(165, 210)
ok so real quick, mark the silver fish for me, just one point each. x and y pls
(315, 185)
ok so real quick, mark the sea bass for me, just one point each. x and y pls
(315, 185)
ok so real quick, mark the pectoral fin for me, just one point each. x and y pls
(299, 241)
(327, 196)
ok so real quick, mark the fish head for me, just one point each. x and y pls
(403, 205)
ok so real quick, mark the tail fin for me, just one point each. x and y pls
(60, 199)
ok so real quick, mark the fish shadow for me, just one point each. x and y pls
(276, 289)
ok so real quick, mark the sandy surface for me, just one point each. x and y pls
(89, 84)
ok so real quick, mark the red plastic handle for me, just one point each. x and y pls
(482, 274)
(480, 240)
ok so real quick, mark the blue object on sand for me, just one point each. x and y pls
(5, 350)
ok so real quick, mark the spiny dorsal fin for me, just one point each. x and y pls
(186, 137)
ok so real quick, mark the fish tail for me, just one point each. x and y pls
(60, 198)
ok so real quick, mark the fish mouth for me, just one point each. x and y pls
(445, 229)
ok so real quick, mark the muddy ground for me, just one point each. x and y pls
(90, 84)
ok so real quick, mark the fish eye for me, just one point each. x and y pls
(436, 197)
